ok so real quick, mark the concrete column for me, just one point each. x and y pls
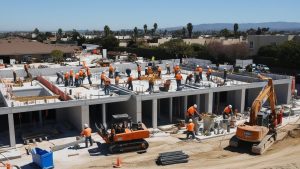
(154, 113)
(198, 102)
(40, 118)
(104, 115)
(243, 96)
(158, 108)
(170, 109)
(184, 105)
(209, 102)
(138, 109)
(11, 126)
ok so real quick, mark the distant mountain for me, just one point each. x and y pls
(278, 26)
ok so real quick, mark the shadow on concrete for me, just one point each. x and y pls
(244, 148)
(30, 166)
(102, 149)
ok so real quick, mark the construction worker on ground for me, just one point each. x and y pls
(89, 74)
(106, 85)
(151, 84)
(67, 79)
(117, 79)
(208, 73)
(26, 67)
(59, 77)
(159, 71)
(87, 133)
(176, 69)
(80, 76)
(110, 71)
(190, 114)
(189, 79)
(139, 70)
(71, 82)
(77, 80)
(168, 68)
(227, 112)
(225, 75)
(102, 78)
(190, 129)
(197, 74)
(129, 83)
(178, 80)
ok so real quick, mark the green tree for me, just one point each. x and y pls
(57, 55)
(176, 47)
(189, 27)
(75, 35)
(154, 27)
(135, 33)
(183, 31)
(106, 31)
(59, 34)
(36, 31)
(145, 29)
(109, 42)
(235, 29)
(225, 32)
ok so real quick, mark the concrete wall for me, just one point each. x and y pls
(283, 93)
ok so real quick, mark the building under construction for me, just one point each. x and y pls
(42, 101)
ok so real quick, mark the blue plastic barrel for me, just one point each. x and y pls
(42, 158)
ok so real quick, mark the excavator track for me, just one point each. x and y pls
(122, 147)
(267, 142)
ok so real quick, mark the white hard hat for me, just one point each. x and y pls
(225, 68)
(195, 105)
(190, 120)
(86, 125)
(230, 106)
(177, 64)
(167, 63)
(197, 65)
(207, 66)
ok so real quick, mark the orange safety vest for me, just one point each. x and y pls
(88, 72)
(111, 69)
(71, 73)
(67, 76)
(87, 132)
(77, 76)
(198, 69)
(191, 111)
(129, 79)
(107, 81)
(178, 76)
(102, 76)
(190, 127)
(227, 110)
(209, 71)
(80, 73)
(139, 68)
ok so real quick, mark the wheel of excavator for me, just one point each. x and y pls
(234, 142)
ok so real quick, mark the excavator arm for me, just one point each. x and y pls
(267, 93)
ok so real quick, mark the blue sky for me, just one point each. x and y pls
(94, 14)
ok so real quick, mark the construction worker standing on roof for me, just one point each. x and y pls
(190, 129)
(227, 112)
(151, 84)
(67, 79)
(197, 74)
(208, 73)
(189, 79)
(106, 86)
(178, 80)
(102, 78)
(225, 75)
(129, 83)
(80, 76)
(190, 114)
(87, 133)
(159, 71)
(77, 80)
(176, 69)
(71, 82)
(110, 71)
(168, 68)
(139, 70)
(89, 74)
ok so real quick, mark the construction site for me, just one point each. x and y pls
(139, 111)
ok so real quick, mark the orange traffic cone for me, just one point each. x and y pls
(118, 163)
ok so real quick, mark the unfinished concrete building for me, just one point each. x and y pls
(43, 101)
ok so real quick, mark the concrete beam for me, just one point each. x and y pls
(171, 109)
(11, 126)
(104, 115)
(154, 113)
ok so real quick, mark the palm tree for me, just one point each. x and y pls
(145, 29)
(136, 32)
(183, 31)
(189, 27)
(106, 30)
(235, 29)
(155, 27)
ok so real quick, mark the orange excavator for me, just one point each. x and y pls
(124, 135)
(261, 129)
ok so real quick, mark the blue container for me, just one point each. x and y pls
(42, 158)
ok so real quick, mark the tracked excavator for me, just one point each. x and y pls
(261, 129)
(124, 136)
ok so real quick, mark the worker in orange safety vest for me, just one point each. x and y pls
(178, 78)
(87, 133)
(190, 129)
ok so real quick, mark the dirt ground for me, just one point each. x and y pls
(213, 153)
